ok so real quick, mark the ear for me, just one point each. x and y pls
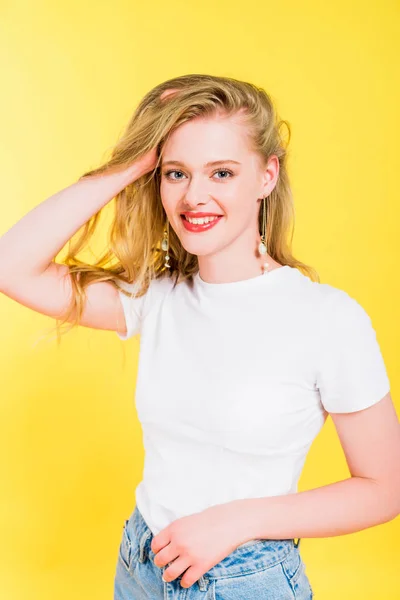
(270, 175)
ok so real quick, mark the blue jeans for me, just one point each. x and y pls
(256, 570)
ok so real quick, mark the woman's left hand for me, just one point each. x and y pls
(197, 542)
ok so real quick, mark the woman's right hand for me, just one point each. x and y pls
(141, 166)
(147, 162)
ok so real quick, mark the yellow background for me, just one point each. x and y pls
(72, 73)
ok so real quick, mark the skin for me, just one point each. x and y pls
(370, 438)
(229, 251)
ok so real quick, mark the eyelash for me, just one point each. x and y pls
(217, 171)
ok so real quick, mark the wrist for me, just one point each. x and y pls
(246, 519)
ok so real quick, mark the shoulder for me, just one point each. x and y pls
(334, 305)
(328, 295)
(342, 316)
(340, 304)
(161, 283)
(158, 288)
(317, 294)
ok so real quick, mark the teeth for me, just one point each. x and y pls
(201, 221)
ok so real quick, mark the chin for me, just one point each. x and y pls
(197, 250)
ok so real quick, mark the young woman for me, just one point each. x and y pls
(244, 352)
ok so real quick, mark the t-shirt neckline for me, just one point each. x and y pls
(218, 289)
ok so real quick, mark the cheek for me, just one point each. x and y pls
(163, 192)
(168, 198)
(239, 210)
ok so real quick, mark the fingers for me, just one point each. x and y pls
(177, 567)
(168, 92)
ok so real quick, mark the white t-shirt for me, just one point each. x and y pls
(235, 381)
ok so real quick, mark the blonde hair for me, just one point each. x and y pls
(139, 221)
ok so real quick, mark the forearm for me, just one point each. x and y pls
(32, 243)
(336, 509)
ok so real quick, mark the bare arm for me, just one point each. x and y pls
(370, 439)
(27, 271)
(32, 243)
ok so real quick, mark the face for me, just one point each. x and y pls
(230, 190)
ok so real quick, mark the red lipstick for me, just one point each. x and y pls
(198, 227)
(198, 215)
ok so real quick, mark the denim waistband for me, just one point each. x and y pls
(247, 557)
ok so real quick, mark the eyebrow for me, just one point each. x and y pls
(209, 164)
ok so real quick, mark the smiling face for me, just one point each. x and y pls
(231, 190)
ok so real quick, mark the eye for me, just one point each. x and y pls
(224, 171)
(168, 173)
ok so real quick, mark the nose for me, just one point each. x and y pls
(192, 204)
(196, 193)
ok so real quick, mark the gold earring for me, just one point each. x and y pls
(262, 248)
(165, 245)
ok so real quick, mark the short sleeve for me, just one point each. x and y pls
(133, 309)
(352, 374)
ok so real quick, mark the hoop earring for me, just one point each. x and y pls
(165, 245)
(262, 248)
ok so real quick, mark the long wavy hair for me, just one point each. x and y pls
(134, 254)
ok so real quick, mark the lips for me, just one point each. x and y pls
(199, 215)
(199, 227)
